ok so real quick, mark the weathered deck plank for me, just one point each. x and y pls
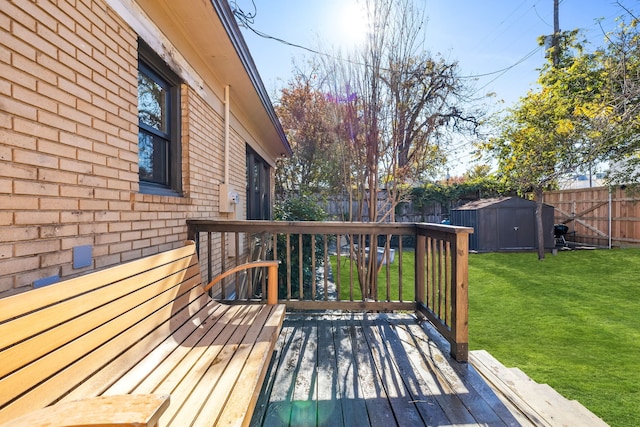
(278, 409)
(329, 393)
(468, 375)
(441, 385)
(304, 400)
(402, 403)
(427, 405)
(373, 370)
(354, 408)
(360, 370)
(374, 393)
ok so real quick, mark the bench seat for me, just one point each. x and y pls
(147, 327)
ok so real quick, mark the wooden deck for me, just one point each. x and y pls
(380, 370)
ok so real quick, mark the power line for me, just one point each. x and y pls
(238, 12)
(511, 23)
(505, 70)
(540, 17)
(247, 21)
(497, 32)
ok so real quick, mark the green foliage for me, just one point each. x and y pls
(620, 64)
(587, 110)
(550, 132)
(302, 208)
(449, 194)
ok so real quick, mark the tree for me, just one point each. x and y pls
(373, 123)
(478, 172)
(397, 104)
(620, 128)
(408, 103)
(550, 131)
(303, 111)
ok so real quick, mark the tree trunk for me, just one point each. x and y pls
(539, 225)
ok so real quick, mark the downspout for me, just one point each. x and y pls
(229, 198)
(226, 134)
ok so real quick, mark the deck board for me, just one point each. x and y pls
(375, 396)
(402, 403)
(277, 411)
(367, 370)
(352, 403)
(328, 391)
(382, 370)
(441, 385)
(418, 388)
(304, 400)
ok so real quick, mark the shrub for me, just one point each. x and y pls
(301, 208)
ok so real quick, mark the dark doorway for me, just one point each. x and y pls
(258, 186)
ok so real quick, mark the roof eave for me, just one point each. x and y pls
(228, 20)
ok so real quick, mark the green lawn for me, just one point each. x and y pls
(571, 321)
(408, 277)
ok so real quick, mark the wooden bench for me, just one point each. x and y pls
(134, 344)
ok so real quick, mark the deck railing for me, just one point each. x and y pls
(329, 266)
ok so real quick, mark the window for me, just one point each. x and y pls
(258, 187)
(158, 125)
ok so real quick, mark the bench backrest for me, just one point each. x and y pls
(53, 339)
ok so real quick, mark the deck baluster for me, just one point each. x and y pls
(439, 291)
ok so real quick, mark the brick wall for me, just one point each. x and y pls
(68, 146)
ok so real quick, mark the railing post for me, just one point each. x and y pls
(460, 298)
(420, 268)
(193, 234)
(272, 285)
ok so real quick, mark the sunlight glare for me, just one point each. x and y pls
(353, 23)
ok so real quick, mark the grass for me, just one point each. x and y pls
(571, 321)
(408, 277)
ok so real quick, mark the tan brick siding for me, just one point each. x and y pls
(68, 146)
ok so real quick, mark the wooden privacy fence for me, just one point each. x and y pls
(598, 216)
(349, 266)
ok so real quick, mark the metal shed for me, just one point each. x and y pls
(504, 223)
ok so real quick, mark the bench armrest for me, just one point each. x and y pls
(272, 282)
(134, 410)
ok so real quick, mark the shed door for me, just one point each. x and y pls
(517, 228)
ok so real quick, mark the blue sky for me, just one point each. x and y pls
(484, 36)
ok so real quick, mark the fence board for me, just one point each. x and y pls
(589, 212)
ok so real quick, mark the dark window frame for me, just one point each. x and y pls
(259, 204)
(151, 65)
